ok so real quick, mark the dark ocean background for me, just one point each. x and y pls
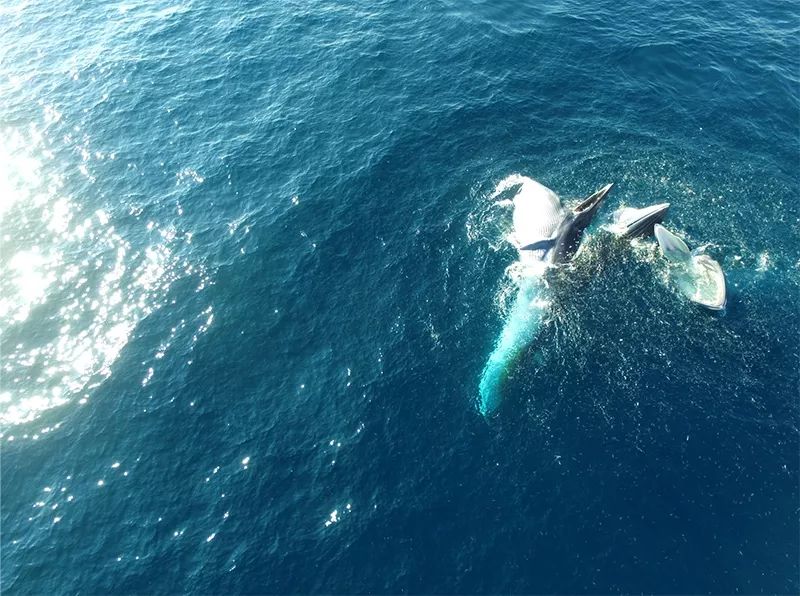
(250, 274)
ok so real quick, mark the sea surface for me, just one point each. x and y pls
(251, 270)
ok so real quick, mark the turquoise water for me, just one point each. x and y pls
(251, 275)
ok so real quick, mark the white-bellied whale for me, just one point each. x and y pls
(545, 233)
(697, 276)
(630, 222)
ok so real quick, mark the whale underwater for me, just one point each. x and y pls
(547, 234)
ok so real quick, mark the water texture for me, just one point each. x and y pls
(250, 274)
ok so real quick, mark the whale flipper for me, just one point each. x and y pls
(546, 244)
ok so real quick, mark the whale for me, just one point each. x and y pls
(545, 234)
(697, 276)
(631, 222)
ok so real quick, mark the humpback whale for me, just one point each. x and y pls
(697, 276)
(545, 234)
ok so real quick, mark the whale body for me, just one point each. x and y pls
(697, 276)
(545, 234)
(630, 222)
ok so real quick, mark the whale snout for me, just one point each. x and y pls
(586, 209)
(633, 223)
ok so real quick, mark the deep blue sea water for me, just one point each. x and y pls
(251, 274)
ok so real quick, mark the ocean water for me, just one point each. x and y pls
(250, 273)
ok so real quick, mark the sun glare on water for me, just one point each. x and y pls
(72, 289)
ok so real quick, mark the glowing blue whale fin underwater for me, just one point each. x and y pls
(520, 329)
(547, 234)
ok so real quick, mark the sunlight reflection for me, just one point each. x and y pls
(72, 289)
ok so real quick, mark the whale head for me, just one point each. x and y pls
(698, 277)
(633, 223)
(544, 230)
(572, 227)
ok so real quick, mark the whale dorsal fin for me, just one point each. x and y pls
(671, 245)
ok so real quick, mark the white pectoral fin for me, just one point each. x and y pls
(671, 245)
